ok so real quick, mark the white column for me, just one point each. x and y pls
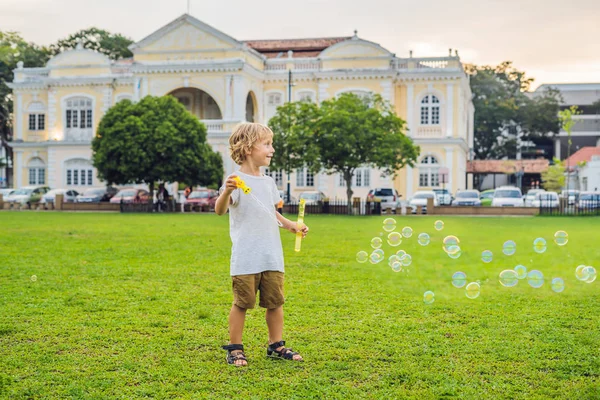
(557, 147)
(137, 82)
(18, 168)
(19, 116)
(52, 115)
(228, 112)
(450, 166)
(53, 172)
(450, 110)
(410, 110)
(323, 95)
(239, 98)
(387, 91)
(107, 94)
(409, 182)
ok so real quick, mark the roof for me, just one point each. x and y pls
(507, 166)
(573, 93)
(583, 154)
(301, 47)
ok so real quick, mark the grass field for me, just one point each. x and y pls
(135, 306)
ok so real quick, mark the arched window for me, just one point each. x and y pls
(37, 171)
(430, 110)
(78, 118)
(274, 100)
(123, 97)
(429, 170)
(79, 172)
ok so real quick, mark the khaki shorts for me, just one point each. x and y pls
(270, 284)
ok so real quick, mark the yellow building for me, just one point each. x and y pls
(224, 81)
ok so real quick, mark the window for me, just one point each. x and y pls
(79, 172)
(79, 118)
(300, 177)
(274, 99)
(37, 122)
(362, 177)
(37, 171)
(430, 110)
(429, 169)
(341, 181)
(304, 177)
(276, 175)
(305, 96)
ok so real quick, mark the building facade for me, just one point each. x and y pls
(224, 81)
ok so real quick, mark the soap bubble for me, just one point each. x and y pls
(424, 239)
(33, 278)
(362, 256)
(459, 279)
(487, 256)
(509, 248)
(454, 252)
(508, 278)
(438, 225)
(428, 297)
(581, 273)
(535, 278)
(561, 238)
(450, 241)
(397, 266)
(400, 253)
(376, 256)
(389, 224)
(472, 290)
(539, 245)
(407, 231)
(406, 260)
(591, 273)
(521, 271)
(558, 285)
(376, 242)
(392, 259)
(394, 239)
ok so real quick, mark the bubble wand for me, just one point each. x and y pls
(242, 185)
(299, 224)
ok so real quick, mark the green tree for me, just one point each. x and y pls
(151, 141)
(553, 179)
(346, 133)
(113, 45)
(505, 115)
(566, 119)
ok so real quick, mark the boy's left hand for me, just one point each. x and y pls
(294, 229)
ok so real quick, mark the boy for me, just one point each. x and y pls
(256, 253)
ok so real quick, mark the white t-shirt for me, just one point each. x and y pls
(256, 242)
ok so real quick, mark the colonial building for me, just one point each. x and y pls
(224, 81)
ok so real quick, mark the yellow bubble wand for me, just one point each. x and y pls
(299, 224)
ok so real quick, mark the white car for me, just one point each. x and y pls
(467, 198)
(571, 195)
(531, 195)
(27, 195)
(507, 196)
(420, 199)
(6, 192)
(545, 200)
(69, 196)
(312, 197)
(444, 197)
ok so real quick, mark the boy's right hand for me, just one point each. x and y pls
(230, 184)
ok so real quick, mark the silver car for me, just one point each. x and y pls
(69, 196)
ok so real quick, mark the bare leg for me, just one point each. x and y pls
(274, 317)
(237, 317)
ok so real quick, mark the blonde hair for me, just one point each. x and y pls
(244, 137)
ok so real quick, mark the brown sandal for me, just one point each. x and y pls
(285, 353)
(232, 358)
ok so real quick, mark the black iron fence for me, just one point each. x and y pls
(582, 208)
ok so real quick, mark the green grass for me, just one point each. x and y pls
(135, 306)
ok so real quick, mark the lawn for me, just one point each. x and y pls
(135, 306)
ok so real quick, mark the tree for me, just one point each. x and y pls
(346, 133)
(553, 179)
(113, 45)
(566, 119)
(13, 48)
(151, 141)
(505, 116)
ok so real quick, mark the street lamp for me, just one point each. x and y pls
(290, 84)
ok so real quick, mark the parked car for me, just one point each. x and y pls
(589, 200)
(546, 200)
(507, 196)
(420, 199)
(571, 195)
(531, 195)
(96, 195)
(444, 197)
(6, 192)
(202, 198)
(388, 197)
(313, 197)
(69, 196)
(486, 197)
(27, 195)
(130, 195)
(467, 198)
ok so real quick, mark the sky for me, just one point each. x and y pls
(553, 41)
